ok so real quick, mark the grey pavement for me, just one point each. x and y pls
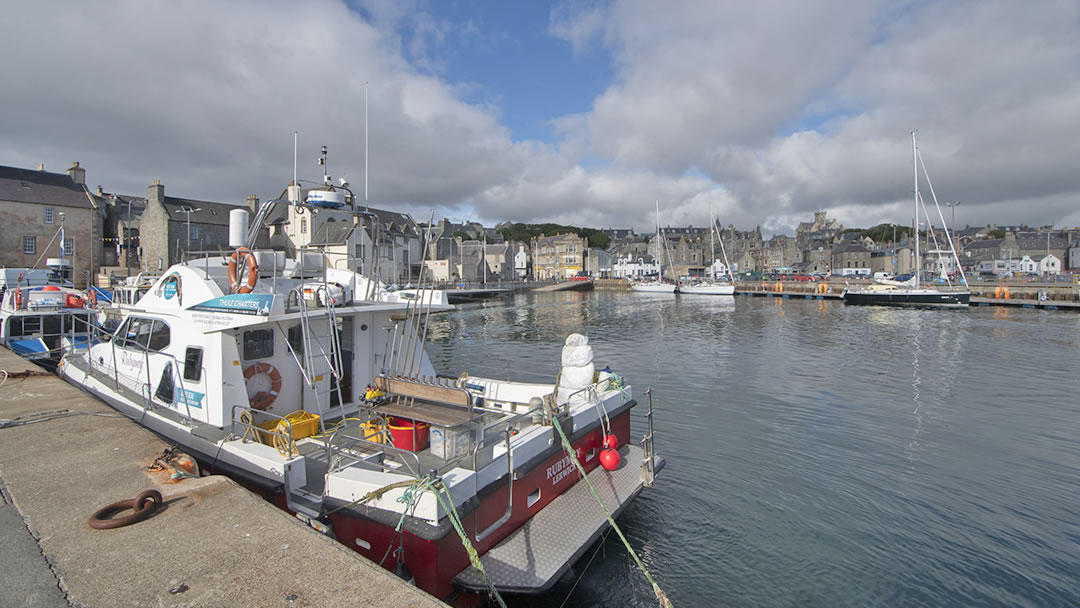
(214, 543)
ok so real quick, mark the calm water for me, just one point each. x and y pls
(822, 455)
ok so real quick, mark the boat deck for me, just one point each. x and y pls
(534, 556)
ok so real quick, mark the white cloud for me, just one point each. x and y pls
(766, 110)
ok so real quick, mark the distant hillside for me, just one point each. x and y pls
(526, 232)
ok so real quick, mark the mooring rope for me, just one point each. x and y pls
(660, 595)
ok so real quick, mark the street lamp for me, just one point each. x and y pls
(188, 211)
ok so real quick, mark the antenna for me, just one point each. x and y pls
(296, 186)
(365, 143)
(327, 180)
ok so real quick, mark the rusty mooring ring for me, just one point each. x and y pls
(143, 505)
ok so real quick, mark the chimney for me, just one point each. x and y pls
(156, 194)
(77, 173)
(252, 204)
(41, 166)
(100, 192)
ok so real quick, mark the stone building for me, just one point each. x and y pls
(33, 204)
(557, 257)
(853, 255)
(173, 227)
(384, 244)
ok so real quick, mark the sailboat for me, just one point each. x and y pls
(657, 285)
(912, 292)
(713, 286)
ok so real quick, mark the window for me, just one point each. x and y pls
(296, 340)
(159, 336)
(258, 344)
(146, 334)
(303, 225)
(193, 364)
(48, 215)
(29, 244)
(69, 247)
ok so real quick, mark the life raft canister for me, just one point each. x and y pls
(262, 400)
(237, 281)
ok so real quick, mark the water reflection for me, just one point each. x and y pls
(821, 454)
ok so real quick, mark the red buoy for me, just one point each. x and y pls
(609, 459)
(611, 441)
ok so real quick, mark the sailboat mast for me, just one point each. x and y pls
(915, 164)
(712, 246)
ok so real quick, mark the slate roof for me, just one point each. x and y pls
(986, 244)
(208, 213)
(42, 187)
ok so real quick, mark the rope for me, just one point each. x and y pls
(48, 415)
(660, 595)
(414, 488)
(474, 557)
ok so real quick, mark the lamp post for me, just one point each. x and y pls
(188, 211)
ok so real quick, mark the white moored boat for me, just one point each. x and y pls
(311, 384)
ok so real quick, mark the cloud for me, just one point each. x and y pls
(767, 110)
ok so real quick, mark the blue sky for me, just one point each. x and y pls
(583, 113)
(502, 55)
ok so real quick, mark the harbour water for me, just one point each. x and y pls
(819, 454)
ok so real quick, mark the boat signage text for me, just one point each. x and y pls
(239, 304)
(558, 471)
(189, 397)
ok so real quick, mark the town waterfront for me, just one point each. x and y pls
(820, 454)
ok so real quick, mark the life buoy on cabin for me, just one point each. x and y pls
(240, 284)
(91, 299)
(18, 298)
(262, 399)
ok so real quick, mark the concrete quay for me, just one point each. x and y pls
(213, 543)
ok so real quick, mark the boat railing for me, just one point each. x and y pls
(251, 425)
(343, 450)
(484, 442)
(136, 384)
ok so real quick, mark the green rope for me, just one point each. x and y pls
(660, 595)
(474, 557)
(413, 490)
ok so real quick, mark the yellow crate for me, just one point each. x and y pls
(303, 424)
(373, 431)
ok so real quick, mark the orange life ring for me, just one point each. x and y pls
(236, 279)
(91, 299)
(262, 400)
(18, 298)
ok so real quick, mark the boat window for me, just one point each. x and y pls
(121, 332)
(296, 341)
(258, 344)
(193, 364)
(166, 387)
(159, 337)
(135, 333)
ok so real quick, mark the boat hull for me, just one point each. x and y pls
(653, 287)
(920, 298)
(708, 290)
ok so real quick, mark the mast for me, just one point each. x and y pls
(915, 161)
(712, 246)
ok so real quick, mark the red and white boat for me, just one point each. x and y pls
(311, 384)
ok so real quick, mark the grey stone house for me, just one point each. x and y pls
(171, 227)
(33, 204)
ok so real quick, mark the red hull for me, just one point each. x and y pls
(435, 563)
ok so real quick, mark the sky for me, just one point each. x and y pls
(586, 113)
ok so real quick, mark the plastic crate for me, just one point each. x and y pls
(304, 424)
